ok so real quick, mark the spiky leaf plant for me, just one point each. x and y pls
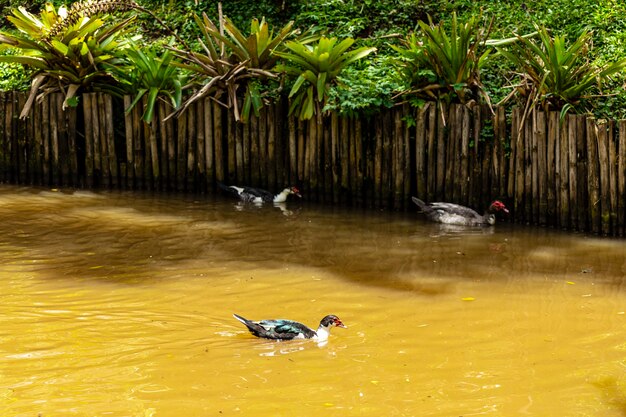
(445, 66)
(151, 75)
(555, 75)
(69, 57)
(315, 68)
(231, 61)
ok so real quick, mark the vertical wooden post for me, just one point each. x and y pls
(463, 118)
(573, 182)
(293, 150)
(302, 166)
(621, 178)
(442, 147)
(406, 170)
(528, 168)
(255, 152)
(378, 160)
(326, 161)
(581, 173)
(281, 150)
(612, 171)
(421, 146)
(346, 139)
(201, 184)
(130, 146)
(519, 134)
(37, 146)
(542, 166)
(500, 163)
(603, 164)
(335, 141)
(262, 153)
(551, 168)
(432, 151)
(593, 177)
(231, 147)
(192, 147)
(218, 142)
(209, 142)
(311, 163)
(246, 138)
(63, 148)
(359, 165)
(564, 195)
(70, 120)
(271, 151)
(166, 133)
(238, 139)
(109, 137)
(398, 158)
(181, 153)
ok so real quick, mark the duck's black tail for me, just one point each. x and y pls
(254, 328)
(228, 189)
(420, 203)
(427, 209)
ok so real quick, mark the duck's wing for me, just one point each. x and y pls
(257, 192)
(286, 329)
(455, 210)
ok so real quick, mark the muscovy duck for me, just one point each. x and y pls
(456, 214)
(287, 329)
(258, 195)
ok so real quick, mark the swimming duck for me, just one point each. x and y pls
(258, 195)
(456, 214)
(287, 329)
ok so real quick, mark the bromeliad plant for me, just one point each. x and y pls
(69, 52)
(230, 61)
(315, 68)
(152, 76)
(554, 75)
(445, 67)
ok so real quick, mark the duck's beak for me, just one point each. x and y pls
(338, 323)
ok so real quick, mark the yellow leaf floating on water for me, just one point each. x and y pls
(571, 282)
(96, 267)
(329, 404)
(468, 298)
(375, 382)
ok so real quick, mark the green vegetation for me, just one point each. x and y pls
(152, 76)
(316, 68)
(71, 58)
(230, 60)
(424, 50)
(555, 74)
(442, 66)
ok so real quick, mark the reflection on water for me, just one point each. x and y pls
(116, 304)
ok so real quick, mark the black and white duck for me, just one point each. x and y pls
(258, 195)
(450, 213)
(282, 329)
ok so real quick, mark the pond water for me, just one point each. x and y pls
(116, 304)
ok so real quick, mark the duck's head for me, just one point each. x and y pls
(332, 320)
(497, 206)
(294, 191)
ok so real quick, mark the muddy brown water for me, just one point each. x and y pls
(115, 304)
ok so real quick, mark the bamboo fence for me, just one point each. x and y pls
(566, 173)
